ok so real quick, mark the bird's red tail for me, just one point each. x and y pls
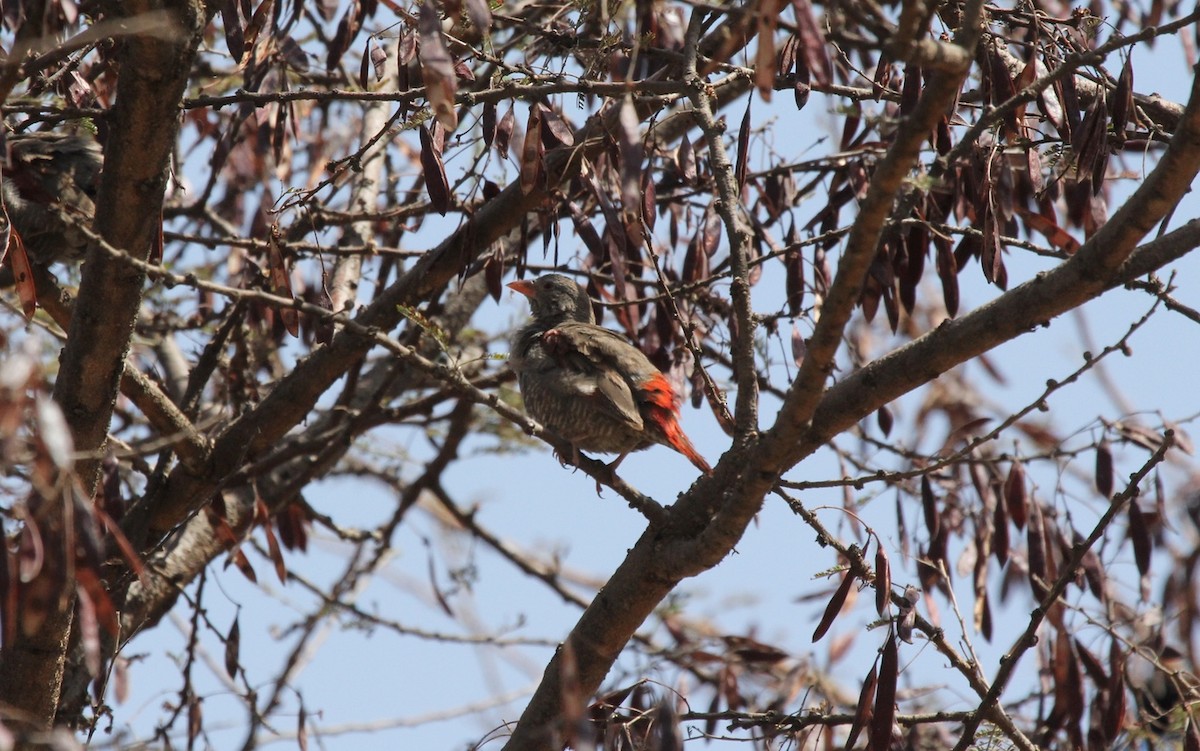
(662, 413)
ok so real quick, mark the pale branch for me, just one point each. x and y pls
(1028, 638)
(729, 208)
(364, 194)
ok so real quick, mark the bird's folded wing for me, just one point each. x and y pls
(591, 360)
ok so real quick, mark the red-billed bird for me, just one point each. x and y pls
(588, 385)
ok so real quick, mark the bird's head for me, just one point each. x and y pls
(554, 298)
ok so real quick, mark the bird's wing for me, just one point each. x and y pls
(591, 360)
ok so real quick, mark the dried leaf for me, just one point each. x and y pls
(884, 714)
(275, 553)
(799, 347)
(947, 269)
(1090, 145)
(764, 60)
(238, 558)
(378, 61)
(649, 199)
(346, 31)
(532, 152)
(558, 129)
(488, 124)
(88, 629)
(812, 42)
(883, 416)
(480, 14)
(436, 182)
(883, 581)
(1104, 469)
(1016, 499)
(281, 281)
(983, 612)
(933, 519)
(493, 274)
(195, 720)
(231, 22)
(292, 522)
(18, 261)
(585, 230)
(1054, 234)
(685, 159)
(834, 606)
(793, 261)
(233, 646)
(1036, 551)
(802, 83)
(1121, 104)
(1139, 535)
(865, 708)
(437, 67)
(504, 132)
(1000, 541)
(910, 89)
(406, 47)
(364, 66)
(743, 150)
(695, 261)
(710, 231)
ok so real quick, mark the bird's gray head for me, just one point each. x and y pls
(554, 298)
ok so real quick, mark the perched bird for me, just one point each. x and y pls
(587, 384)
(47, 175)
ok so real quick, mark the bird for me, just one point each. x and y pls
(587, 384)
(46, 175)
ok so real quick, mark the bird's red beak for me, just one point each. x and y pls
(524, 286)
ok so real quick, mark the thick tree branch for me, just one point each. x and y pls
(142, 134)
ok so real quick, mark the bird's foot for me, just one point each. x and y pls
(572, 459)
(612, 471)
